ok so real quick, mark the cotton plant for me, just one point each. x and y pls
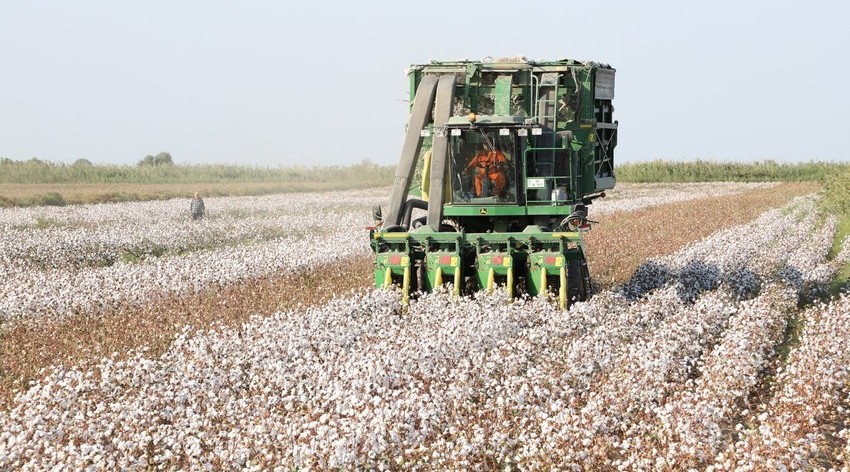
(656, 381)
(792, 429)
(81, 236)
(193, 261)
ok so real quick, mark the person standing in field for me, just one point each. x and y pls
(197, 208)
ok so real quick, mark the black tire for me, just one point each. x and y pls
(577, 276)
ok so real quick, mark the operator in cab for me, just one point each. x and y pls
(488, 167)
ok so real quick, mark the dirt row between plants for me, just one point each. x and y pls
(31, 346)
(621, 241)
(617, 245)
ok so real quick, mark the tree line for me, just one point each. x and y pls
(161, 159)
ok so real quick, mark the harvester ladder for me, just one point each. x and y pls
(547, 118)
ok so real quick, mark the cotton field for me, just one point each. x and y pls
(96, 256)
(727, 354)
(61, 261)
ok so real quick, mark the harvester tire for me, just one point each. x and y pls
(575, 281)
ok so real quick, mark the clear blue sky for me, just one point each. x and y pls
(317, 82)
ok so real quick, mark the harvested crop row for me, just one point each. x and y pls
(631, 197)
(623, 241)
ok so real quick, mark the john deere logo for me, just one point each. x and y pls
(483, 211)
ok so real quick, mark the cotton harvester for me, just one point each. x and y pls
(512, 152)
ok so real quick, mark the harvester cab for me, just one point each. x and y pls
(517, 151)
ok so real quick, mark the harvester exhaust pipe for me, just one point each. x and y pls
(422, 105)
(407, 213)
(439, 148)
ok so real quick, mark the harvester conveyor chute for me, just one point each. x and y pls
(419, 118)
(439, 148)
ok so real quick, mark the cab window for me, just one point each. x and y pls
(483, 165)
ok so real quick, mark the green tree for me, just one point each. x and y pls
(147, 161)
(163, 159)
(82, 163)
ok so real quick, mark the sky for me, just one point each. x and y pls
(323, 83)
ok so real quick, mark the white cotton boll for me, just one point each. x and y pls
(453, 383)
(99, 284)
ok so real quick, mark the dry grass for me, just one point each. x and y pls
(72, 194)
(621, 241)
(28, 347)
(615, 249)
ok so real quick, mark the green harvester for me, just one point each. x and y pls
(511, 153)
